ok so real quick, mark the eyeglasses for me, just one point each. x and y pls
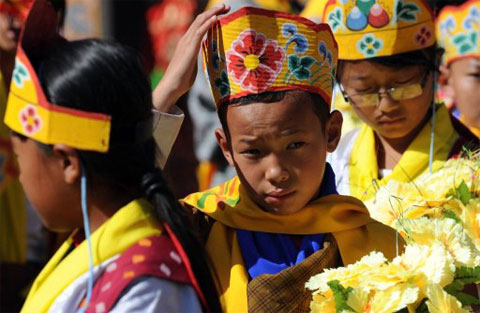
(396, 93)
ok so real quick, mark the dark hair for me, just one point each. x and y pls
(106, 77)
(320, 108)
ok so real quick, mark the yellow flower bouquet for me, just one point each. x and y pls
(438, 215)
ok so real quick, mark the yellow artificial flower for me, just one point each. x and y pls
(351, 275)
(471, 220)
(390, 300)
(448, 232)
(434, 261)
(441, 302)
(323, 303)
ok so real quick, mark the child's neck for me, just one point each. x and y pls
(390, 150)
(101, 208)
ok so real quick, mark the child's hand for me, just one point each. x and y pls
(182, 69)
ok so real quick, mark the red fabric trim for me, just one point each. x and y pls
(154, 256)
(275, 14)
(188, 266)
(461, 57)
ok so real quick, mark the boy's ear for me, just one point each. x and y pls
(223, 143)
(333, 130)
(445, 81)
(69, 162)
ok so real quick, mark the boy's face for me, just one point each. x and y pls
(279, 150)
(462, 84)
(10, 27)
(390, 119)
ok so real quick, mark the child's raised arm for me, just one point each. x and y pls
(182, 70)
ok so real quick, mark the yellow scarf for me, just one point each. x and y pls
(414, 161)
(13, 215)
(345, 217)
(130, 224)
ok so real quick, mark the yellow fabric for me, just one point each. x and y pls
(28, 110)
(363, 170)
(252, 51)
(29, 115)
(458, 30)
(229, 205)
(131, 223)
(277, 5)
(474, 130)
(369, 28)
(13, 220)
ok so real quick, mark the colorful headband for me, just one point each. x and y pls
(16, 8)
(28, 110)
(375, 28)
(458, 31)
(253, 51)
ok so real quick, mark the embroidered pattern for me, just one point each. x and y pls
(30, 119)
(253, 56)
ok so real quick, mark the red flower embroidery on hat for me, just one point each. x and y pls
(30, 120)
(254, 62)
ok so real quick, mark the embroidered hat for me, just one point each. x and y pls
(17, 8)
(253, 51)
(458, 31)
(374, 28)
(28, 110)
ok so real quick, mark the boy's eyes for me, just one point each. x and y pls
(251, 152)
(295, 145)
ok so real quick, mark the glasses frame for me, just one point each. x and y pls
(348, 97)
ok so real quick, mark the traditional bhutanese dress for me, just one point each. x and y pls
(253, 253)
(137, 267)
(355, 160)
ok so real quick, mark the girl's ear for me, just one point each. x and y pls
(333, 130)
(445, 81)
(69, 162)
(223, 143)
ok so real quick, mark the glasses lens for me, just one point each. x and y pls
(365, 100)
(406, 92)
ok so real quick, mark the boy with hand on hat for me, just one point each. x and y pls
(280, 220)
(458, 30)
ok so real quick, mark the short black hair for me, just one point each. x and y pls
(320, 107)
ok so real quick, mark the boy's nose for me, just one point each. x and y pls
(276, 173)
(386, 104)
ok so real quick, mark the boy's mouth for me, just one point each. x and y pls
(278, 196)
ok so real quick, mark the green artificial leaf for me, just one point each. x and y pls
(464, 276)
(452, 215)
(468, 275)
(340, 294)
(463, 193)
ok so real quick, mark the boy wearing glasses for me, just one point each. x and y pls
(386, 72)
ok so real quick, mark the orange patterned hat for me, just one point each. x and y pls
(17, 8)
(375, 28)
(458, 31)
(252, 51)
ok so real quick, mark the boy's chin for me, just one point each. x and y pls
(283, 208)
